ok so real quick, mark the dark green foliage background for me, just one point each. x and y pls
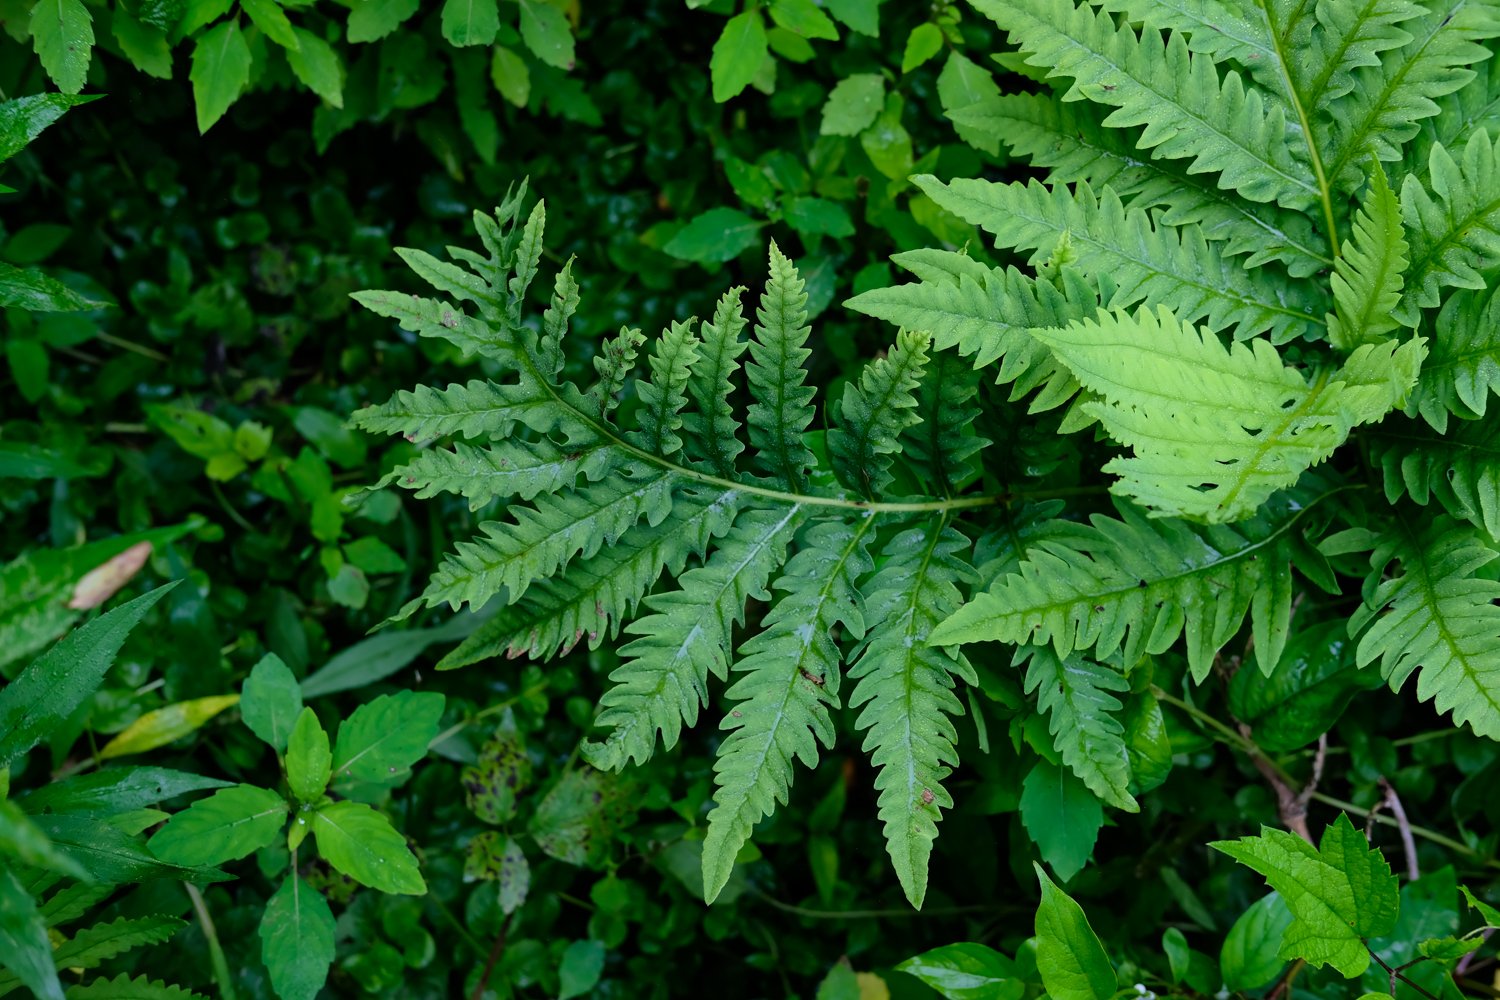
(229, 257)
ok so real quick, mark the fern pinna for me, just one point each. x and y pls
(1269, 232)
(735, 507)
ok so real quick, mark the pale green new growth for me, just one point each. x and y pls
(1368, 276)
(1217, 430)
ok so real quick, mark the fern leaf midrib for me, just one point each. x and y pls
(1198, 570)
(1393, 83)
(1432, 602)
(934, 534)
(1418, 268)
(1268, 438)
(1147, 266)
(607, 433)
(1315, 157)
(1209, 125)
(830, 581)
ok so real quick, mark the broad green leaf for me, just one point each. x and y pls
(372, 20)
(317, 65)
(221, 69)
(24, 948)
(52, 688)
(963, 83)
(1069, 957)
(887, 143)
(1062, 816)
(24, 118)
(576, 819)
(967, 972)
(146, 47)
(226, 826)
(498, 858)
(804, 18)
(1251, 957)
(861, 15)
(582, 963)
(545, 30)
(376, 658)
(112, 855)
(383, 738)
(23, 842)
(62, 31)
(296, 939)
(268, 16)
(503, 770)
(31, 289)
(853, 105)
(472, 22)
(166, 725)
(819, 217)
(270, 701)
(1339, 893)
(309, 761)
(737, 55)
(1489, 914)
(924, 42)
(511, 76)
(113, 790)
(362, 844)
(718, 235)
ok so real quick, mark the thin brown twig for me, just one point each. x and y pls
(1291, 803)
(1396, 975)
(1403, 825)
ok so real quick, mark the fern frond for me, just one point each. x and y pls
(906, 690)
(613, 365)
(1455, 236)
(1460, 469)
(124, 987)
(1187, 110)
(874, 412)
(1367, 278)
(789, 681)
(1071, 142)
(664, 679)
(537, 541)
(1439, 616)
(504, 469)
(1079, 697)
(1135, 584)
(663, 398)
(101, 942)
(592, 596)
(783, 409)
(940, 446)
(711, 423)
(987, 314)
(478, 409)
(1222, 29)
(602, 502)
(1149, 262)
(1463, 367)
(1473, 108)
(1388, 103)
(1215, 430)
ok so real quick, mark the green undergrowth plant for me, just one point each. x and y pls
(1253, 308)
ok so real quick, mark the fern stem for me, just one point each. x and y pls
(220, 964)
(1307, 133)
